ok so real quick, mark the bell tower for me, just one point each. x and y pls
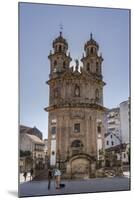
(59, 58)
(92, 61)
(92, 64)
(59, 63)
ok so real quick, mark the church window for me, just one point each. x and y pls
(55, 63)
(99, 129)
(97, 94)
(77, 91)
(64, 64)
(112, 143)
(76, 143)
(77, 128)
(53, 153)
(88, 67)
(59, 48)
(107, 142)
(97, 67)
(91, 50)
(53, 130)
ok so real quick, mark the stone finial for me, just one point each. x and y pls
(81, 68)
(60, 33)
(72, 68)
(101, 57)
(83, 55)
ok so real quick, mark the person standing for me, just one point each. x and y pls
(49, 178)
(25, 175)
(31, 174)
(57, 174)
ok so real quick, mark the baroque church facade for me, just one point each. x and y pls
(75, 111)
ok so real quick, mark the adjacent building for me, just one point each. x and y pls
(31, 148)
(46, 146)
(117, 123)
(112, 124)
(111, 140)
(31, 131)
(125, 121)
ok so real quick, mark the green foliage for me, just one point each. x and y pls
(25, 153)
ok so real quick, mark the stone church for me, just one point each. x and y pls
(76, 122)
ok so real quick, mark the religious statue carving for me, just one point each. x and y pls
(77, 64)
(77, 91)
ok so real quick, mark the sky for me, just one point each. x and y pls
(39, 25)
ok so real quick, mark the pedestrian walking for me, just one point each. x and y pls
(57, 175)
(49, 178)
(25, 175)
(31, 174)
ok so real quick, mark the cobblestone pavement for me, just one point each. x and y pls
(36, 188)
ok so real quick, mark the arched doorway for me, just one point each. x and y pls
(80, 166)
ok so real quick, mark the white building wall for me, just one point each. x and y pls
(25, 143)
(112, 141)
(124, 118)
(112, 125)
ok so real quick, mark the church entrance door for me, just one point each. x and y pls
(80, 168)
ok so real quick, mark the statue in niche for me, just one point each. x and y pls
(77, 91)
(77, 64)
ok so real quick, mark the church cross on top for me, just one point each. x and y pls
(61, 28)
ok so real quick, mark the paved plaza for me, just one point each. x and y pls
(35, 188)
(22, 177)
